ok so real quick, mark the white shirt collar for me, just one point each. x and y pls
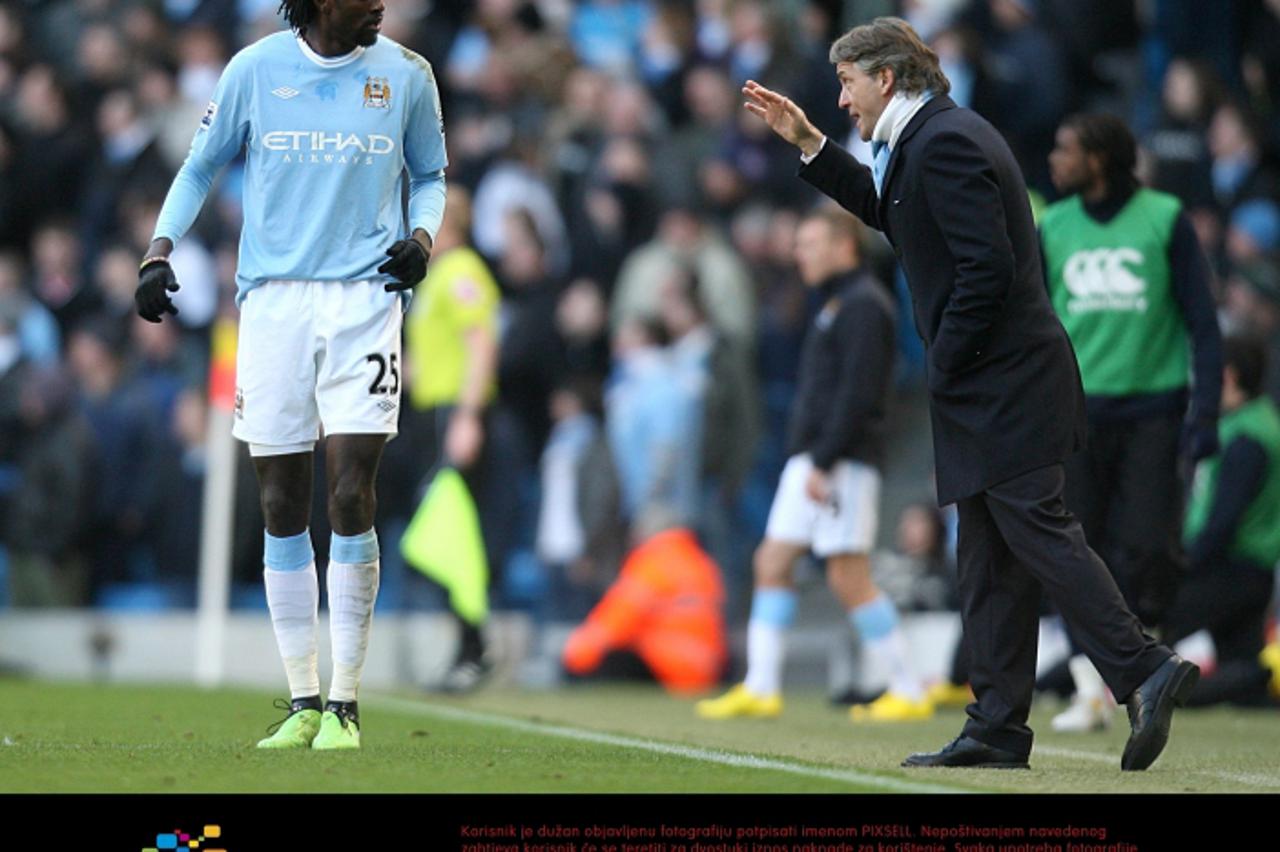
(329, 61)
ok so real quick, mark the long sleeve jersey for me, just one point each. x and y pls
(327, 141)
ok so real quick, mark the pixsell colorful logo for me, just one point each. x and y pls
(178, 840)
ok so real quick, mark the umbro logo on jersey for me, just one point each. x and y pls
(285, 92)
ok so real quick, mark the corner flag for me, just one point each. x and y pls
(443, 542)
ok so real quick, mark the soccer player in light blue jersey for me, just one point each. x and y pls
(333, 118)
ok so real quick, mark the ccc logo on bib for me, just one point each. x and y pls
(1103, 280)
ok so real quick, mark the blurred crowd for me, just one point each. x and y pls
(640, 226)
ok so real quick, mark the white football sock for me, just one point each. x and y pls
(293, 598)
(772, 611)
(880, 629)
(353, 589)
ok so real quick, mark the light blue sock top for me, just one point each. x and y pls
(291, 553)
(875, 619)
(774, 606)
(354, 549)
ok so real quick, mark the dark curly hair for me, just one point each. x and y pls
(298, 13)
(1110, 138)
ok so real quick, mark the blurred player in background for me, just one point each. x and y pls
(828, 499)
(1131, 286)
(332, 115)
(1233, 537)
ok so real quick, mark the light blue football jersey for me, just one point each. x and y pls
(327, 143)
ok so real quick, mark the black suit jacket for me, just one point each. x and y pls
(1004, 385)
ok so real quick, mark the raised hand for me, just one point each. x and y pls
(783, 116)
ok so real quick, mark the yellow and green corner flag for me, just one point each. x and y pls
(443, 542)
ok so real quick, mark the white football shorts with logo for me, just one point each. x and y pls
(846, 523)
(316, 355)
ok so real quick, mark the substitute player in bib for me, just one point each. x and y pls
(332, 115)
(1130, 284)
(829, 495)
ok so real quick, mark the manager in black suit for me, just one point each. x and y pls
(1005, 392)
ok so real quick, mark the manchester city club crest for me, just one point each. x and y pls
(377, 92)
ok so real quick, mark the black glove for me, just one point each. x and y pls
(155, 283)
(408, 264)
(1199, 438)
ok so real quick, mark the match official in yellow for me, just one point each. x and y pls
(451, 339)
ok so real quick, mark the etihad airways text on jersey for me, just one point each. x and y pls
(318, 140)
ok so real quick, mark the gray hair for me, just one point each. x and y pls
(892, 43)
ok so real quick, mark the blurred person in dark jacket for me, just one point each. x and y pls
(1179, 144)
(531, 351)
(1233, 535)
(581, 537)
(9, 225)
(126, 443)
(709, 100)
(1260, 64)
(1251, 306)
(129, 160)
(613, 212)
(1242, 168)
(45, 523)
(582, 318)
(53, 152)
(180, 489)
(102, 63)
(1023, 58)
(163, 364)
(719, 374)
(57, 274)
(38, 334)
(13, 370)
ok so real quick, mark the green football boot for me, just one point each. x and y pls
(339, 726)
(299, 728)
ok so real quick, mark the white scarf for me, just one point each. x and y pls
(897, 113)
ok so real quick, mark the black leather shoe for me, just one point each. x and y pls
(1151, 710)
(966, 751)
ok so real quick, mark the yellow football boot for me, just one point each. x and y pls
(738, 702)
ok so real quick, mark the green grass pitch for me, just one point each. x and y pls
(61, 737)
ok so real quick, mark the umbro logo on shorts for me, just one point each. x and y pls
(387, 405)
(285, 92)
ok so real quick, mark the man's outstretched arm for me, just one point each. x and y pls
(828, 167)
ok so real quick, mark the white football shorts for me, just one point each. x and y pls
(846, 523)
(312, 355)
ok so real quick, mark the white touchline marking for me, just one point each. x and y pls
(724, 758)
(1253, 779)
(1053, 751)
(1249, 779)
